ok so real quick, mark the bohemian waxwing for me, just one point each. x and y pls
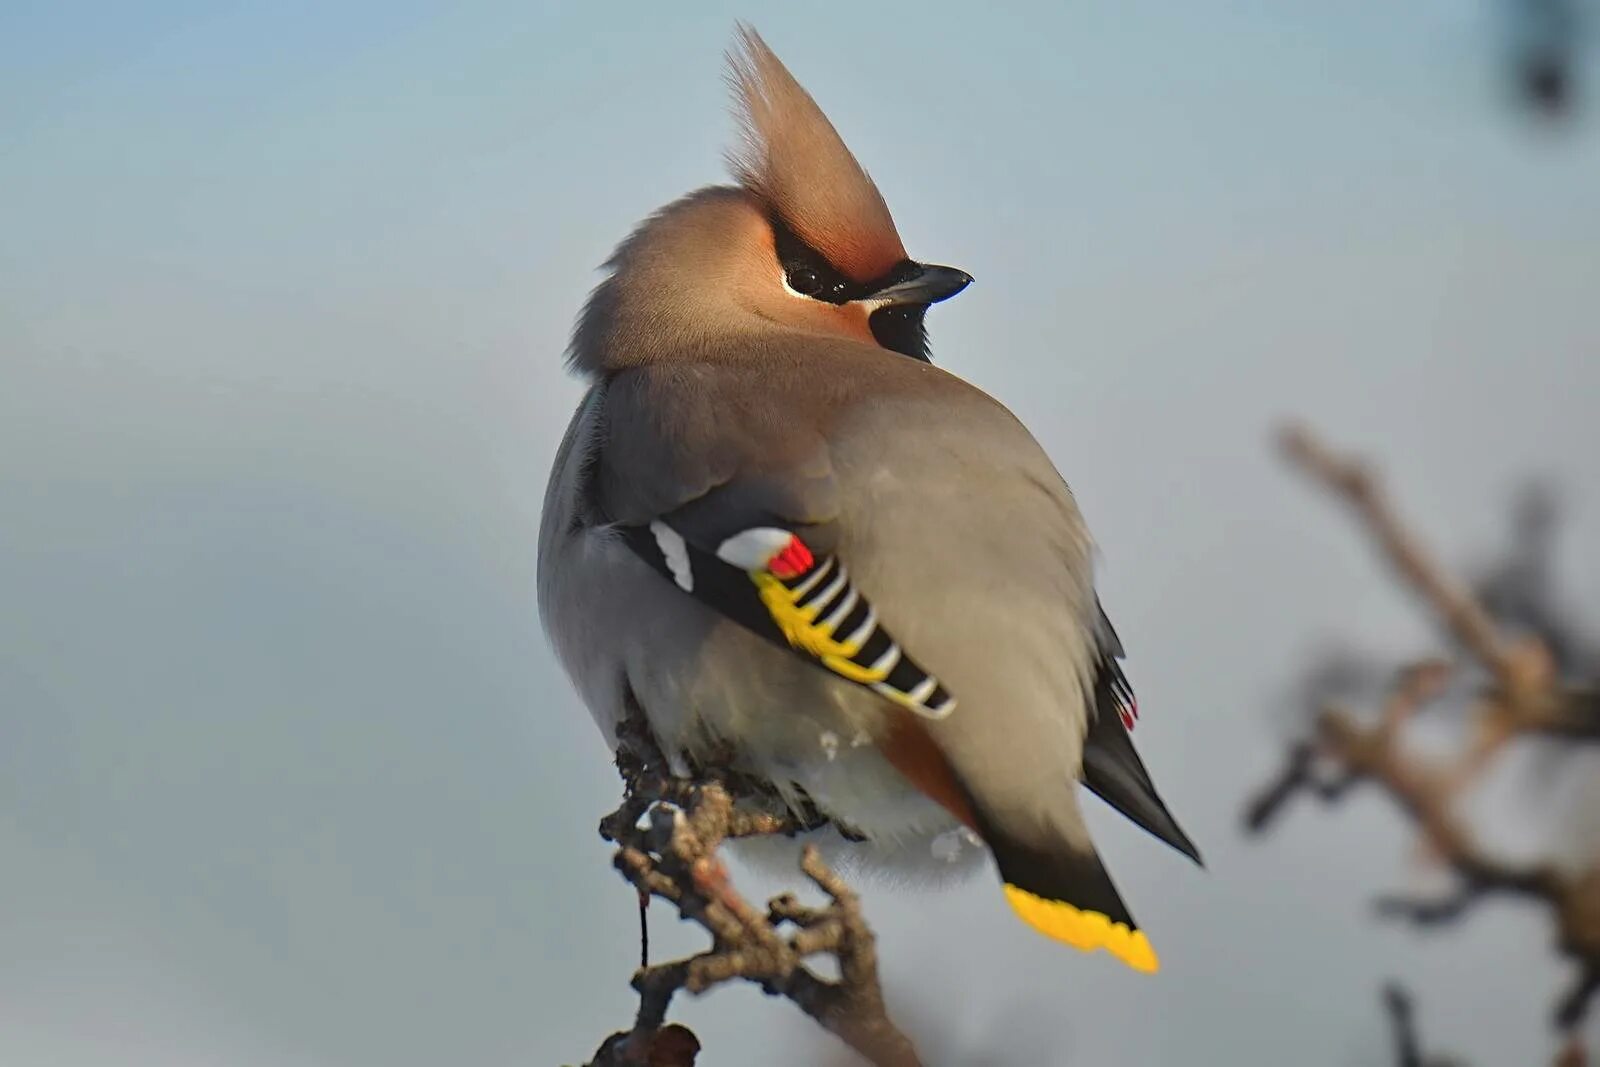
(792, 543)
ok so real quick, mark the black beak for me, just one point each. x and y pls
(929, 285)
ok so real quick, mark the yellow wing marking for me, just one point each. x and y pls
(800, 628)
(804, 631)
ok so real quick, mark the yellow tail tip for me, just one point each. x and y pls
(1083, 930)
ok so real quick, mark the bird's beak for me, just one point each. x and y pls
(929, 285)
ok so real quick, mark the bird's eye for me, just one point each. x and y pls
(804, 280)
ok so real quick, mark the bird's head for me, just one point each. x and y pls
(803, 242)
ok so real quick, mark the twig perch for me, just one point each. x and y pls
(1408, 1051)
(668, 831)
(1524, 695)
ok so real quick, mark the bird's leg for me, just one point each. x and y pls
(811, 817)
(644, 929)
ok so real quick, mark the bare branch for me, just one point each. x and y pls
(1454, 606)
(1299, 775)
(1433, 912)
(1372, 753)
(1407, 1048)
(1408, 1052)
(1572, 1053)
(1574, 1006)
(668, 831)
(1525, 696)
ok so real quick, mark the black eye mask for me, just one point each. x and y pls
(805, 270)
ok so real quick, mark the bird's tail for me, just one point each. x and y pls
(1053, 878)
(1066, 894)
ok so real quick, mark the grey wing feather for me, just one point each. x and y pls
(671, 438)
(681, 489)
(1106, 634)
(1112, 768)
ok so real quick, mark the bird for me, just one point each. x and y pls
(797, 548)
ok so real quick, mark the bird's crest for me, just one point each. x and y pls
(793, 159)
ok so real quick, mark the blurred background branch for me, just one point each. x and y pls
(1547, 44)
(1522, 686)
(1408, 1051)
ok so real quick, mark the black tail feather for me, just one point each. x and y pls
(1061, 873)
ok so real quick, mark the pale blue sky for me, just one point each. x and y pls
(289, 776)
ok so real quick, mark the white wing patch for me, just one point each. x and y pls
(749, 550)
(803, 601)
(676, 554)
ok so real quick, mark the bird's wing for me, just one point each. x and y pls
(745, 526)
(1111, 766)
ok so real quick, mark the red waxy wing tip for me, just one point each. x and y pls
(792, 560)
